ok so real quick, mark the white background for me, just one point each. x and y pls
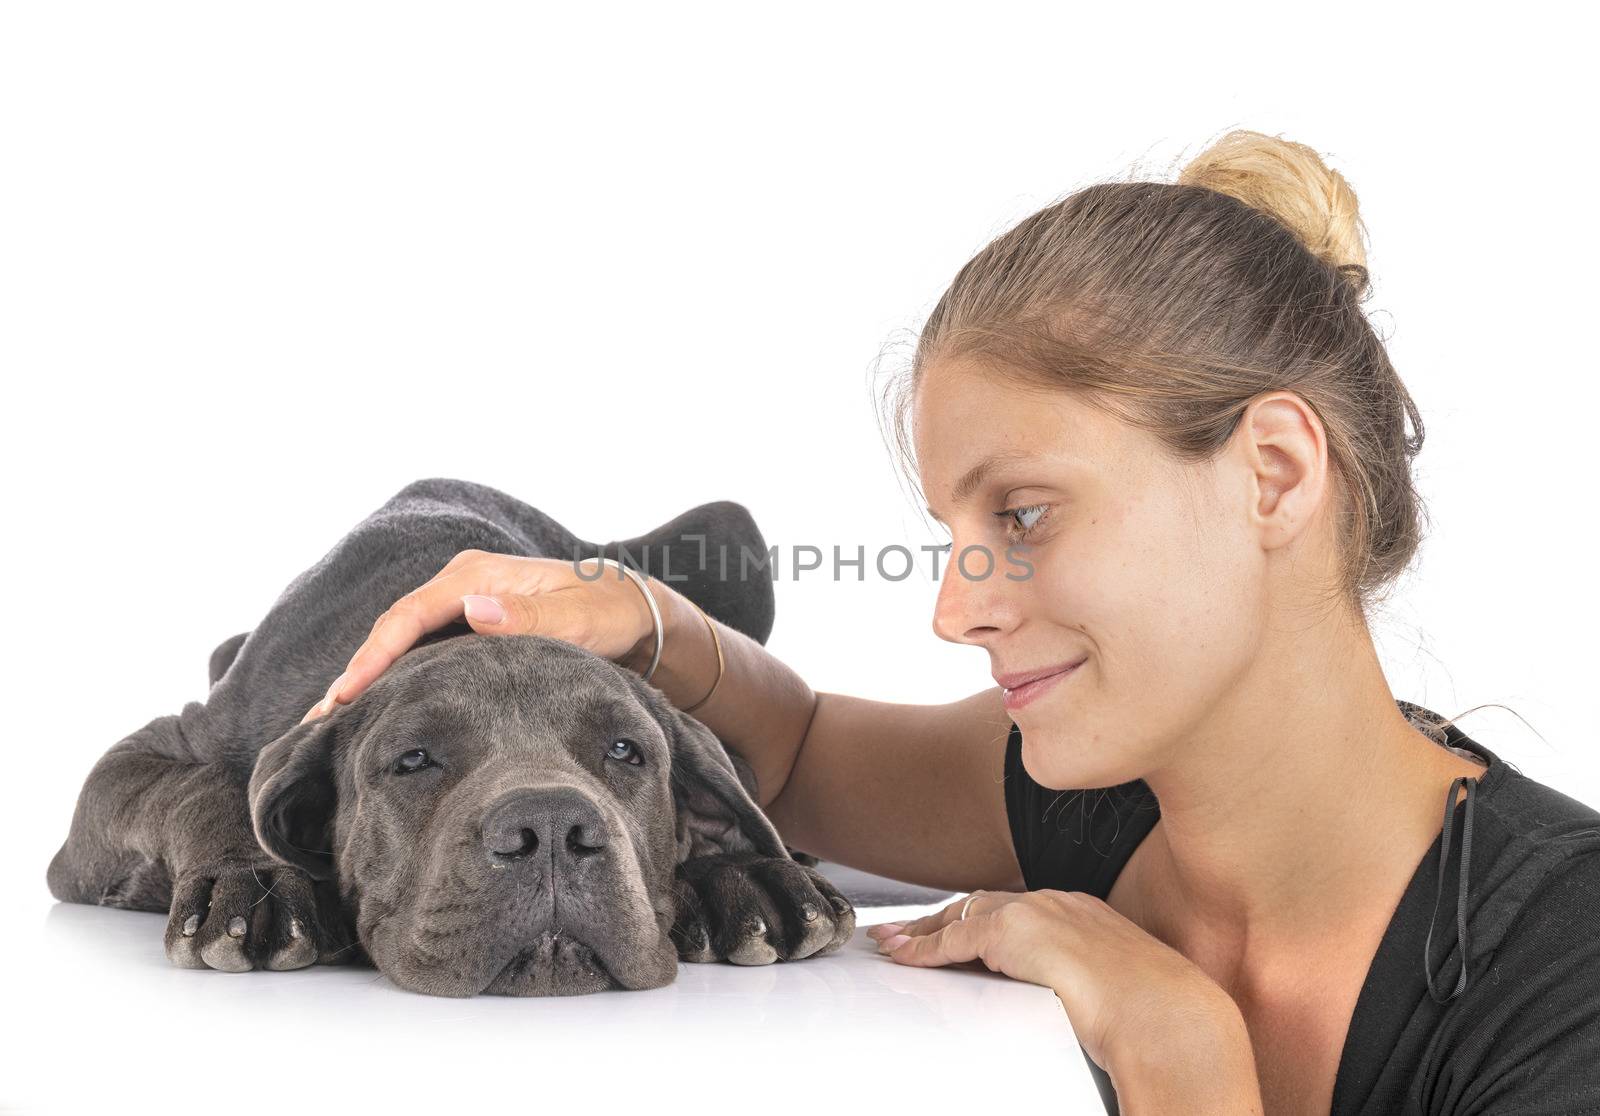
(260, 266)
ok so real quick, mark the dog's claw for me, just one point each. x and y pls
(190, 925)
(754, 950)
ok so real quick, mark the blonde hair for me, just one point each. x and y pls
(1174, 305)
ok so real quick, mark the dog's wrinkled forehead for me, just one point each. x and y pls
(503, 686)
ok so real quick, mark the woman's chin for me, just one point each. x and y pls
(1063, 760)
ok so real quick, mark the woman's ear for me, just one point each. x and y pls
(293, 793)
(1285, 450)
(716, 814)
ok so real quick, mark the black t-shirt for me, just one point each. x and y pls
(1523, 1036)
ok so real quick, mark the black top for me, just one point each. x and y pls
(1522, 1036)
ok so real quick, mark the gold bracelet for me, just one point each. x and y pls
(717, 643)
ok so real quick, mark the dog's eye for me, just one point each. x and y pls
(626, 751)
(412, 761)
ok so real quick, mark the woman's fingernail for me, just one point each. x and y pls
(883, 929)
(890, 944)
(333, 693)
(486, 609)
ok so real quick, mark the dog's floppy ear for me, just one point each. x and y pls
(293, 793)
(716, 814)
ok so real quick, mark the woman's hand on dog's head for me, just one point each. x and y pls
(504, 594)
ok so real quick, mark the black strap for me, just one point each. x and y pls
(1461, 890)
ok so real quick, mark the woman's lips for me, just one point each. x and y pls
(1018, 696)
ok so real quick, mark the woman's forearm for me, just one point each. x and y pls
(761, 708)
(1209, 1067)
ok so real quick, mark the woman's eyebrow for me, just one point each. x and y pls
(975, 476)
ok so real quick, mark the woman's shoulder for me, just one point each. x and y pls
(1537, 845)
(1525, 1023)
(1540, 859)
(1545, 864)
(1073, 840)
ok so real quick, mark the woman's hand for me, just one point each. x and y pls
(1134, 1002)
(503, 594)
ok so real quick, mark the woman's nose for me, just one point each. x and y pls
(969, 608)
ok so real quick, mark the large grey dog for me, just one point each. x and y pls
(507, 814)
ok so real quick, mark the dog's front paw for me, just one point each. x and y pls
(754, 910)
(241, 916)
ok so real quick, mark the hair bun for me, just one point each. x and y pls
(1290, 182)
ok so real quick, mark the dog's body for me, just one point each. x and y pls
(495, 813)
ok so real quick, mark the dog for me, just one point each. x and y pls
(494, 814)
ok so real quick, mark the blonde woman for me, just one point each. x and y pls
(1191, 804)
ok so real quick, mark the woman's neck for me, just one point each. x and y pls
(1304, 799)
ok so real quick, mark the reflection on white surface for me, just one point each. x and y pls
(101, 1017)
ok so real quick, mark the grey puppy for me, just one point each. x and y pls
(506, 814)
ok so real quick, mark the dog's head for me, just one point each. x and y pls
(504, 814)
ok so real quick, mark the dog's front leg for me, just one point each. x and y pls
(156, 829)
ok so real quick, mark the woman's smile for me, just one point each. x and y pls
(1025, 692)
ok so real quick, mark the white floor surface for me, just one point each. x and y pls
(101, 1022)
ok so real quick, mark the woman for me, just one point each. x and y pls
(1196, 444)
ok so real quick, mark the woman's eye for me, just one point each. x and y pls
(1020, 522)
(414, 760)
(626, 751)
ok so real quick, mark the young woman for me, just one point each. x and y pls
(1193, 437)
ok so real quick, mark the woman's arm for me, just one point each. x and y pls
(913, 792)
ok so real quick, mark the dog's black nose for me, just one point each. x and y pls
(563, 820)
